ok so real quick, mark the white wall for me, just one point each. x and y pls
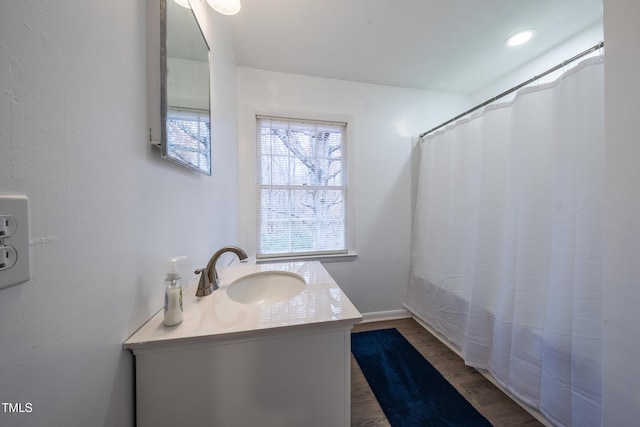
(621, 373)
(105, 209)
(382, 120)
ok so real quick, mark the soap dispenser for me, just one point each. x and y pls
(173, 294)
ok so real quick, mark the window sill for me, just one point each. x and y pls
(350, 256)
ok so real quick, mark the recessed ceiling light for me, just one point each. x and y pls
(519, 38)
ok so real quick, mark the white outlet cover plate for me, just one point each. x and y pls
(17, 207)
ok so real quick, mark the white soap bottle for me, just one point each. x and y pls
(173, 295)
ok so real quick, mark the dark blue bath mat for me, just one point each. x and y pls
(411, 392)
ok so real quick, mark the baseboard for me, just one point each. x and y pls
(379, 316)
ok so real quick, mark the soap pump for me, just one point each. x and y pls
(173, 294)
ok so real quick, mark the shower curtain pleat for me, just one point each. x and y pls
(506, 257)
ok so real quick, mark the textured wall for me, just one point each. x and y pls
(621, 376)
(105, 209)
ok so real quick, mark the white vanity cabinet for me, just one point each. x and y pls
(282, 364)
(297, 379)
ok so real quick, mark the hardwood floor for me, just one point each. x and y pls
(490, 401)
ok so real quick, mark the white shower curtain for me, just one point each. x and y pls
(506, 257)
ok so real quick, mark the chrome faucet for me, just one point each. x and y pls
(209, 280)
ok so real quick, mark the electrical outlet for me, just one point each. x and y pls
(7, 225)
(8, 257)
(14, 240)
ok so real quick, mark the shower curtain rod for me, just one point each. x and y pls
(515, 88)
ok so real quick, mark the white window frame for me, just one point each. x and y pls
(248, 169)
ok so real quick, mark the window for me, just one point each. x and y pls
(189, 138)
(301, 188)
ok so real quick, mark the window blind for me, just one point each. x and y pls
(188, 137)
(301, 187)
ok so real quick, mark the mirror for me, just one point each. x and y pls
(185, 94)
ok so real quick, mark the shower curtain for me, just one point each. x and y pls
(506, 257)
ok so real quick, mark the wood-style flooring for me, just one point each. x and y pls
(490, 401)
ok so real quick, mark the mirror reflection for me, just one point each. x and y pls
(186, 133)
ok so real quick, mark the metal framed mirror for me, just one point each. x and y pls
(185, 88)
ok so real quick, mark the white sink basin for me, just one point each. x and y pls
(266, 287)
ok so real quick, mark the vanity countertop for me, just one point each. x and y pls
(218, 318)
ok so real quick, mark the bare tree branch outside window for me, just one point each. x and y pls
(302, 187)
(188, 138)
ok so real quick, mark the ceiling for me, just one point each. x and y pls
(447, 45)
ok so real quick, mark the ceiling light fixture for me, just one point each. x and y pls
(183, 3)
(519, 38)
(225, 7)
